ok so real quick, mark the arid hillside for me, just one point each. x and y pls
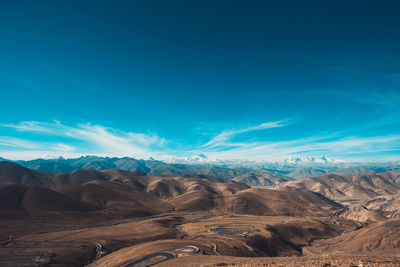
(357, 187)
(120, 218)
(378, 239)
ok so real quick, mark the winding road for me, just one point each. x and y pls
(161, 256)
(36, 258)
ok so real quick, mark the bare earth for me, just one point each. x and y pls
(128, 219)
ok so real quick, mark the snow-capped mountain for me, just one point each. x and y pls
(311, 160)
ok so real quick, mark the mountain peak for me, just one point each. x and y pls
(310, 160)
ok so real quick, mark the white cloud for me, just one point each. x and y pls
(225, 136)
(319, 144)
(64, 147)
(34, 154)
(17, 142)
(100, 139)
(35, 126)
(88, 139)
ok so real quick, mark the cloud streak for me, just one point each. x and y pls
(320, 145)
(225, 136)
(101, 140)
(17, 142)
(89, 139)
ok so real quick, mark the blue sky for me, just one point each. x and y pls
(260, 80)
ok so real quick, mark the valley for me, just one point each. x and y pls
(120, 218)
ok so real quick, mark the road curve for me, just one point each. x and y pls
(98, 250)
(166, 255)
(37, 256)
(214, 249)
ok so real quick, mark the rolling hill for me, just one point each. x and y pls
(135, 191)
(261, 179)
(122, 209)
(360, 187)
(258, 201)
(380, 238)
(34, 198)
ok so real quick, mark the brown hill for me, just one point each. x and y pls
(12, 173)
(390, 204)
(190, 193)
(195, 201)
(160, 185)
(78, 177)
(257, 201)
(175, 186)
(33, 198)
(137, 192)
(361, 213)
(300, 173)
(360, 187)
(261, 179)
(107, 197)
(171, 186)
(115, 196)
(380, 238)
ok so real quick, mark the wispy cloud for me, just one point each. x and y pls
(89, 139)
(336, 144)
(100, 139)
(225, 136)
(19, 148)
(17, 142)
(318, 145)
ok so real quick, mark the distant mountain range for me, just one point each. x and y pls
(253, 173)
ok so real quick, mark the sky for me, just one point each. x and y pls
(255, 80)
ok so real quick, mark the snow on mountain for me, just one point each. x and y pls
(292, 161)
(311, 160)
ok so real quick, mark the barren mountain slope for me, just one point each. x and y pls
(12, 173)
(388, 203)
(380, 238)
(261, 179)
(360, 213)
(34, 198)
(115, 196)
(259, 201)
(360, 187)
